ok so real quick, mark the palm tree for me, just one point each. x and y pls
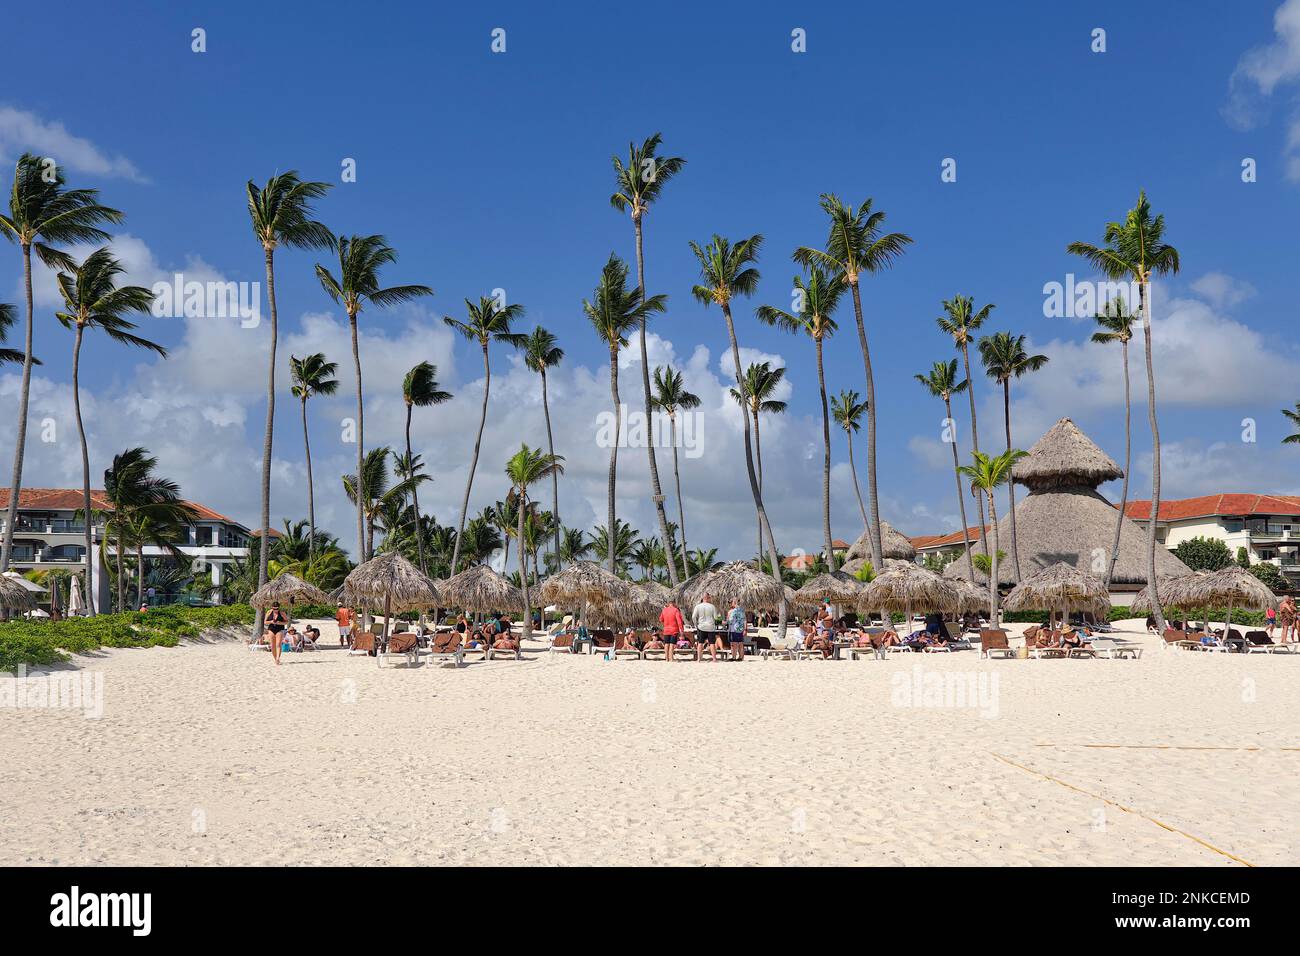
(645, 557)
(93, 300)
(625, 539)
(856, 245)
(1005, 358)
(1117, 326)
(42, 211)
(487, 322)
(420, 387)
(526, 467)
(986, 474)
(847, 412)
(1135, 249)
(615, 310)
(374, 495)
(503, 515)
(961, 320)
(638, 184)
(671, 396)
(819, 296)
(574, 545)
(754, 396)
(481, 540)
(357, 285)
(541, 353)
(311, 376)
(701, 561)
(1294, 418)
(7, 319)
(728, 271)
(281, 214)
(942, 383)
(141, 504)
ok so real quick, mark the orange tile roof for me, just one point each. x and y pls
(70, 499)
(799, 562)
(923, 541)
(1214, 505)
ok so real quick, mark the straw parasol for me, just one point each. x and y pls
(1065, 518)
(389, 583)
(645, 602)
(834, 587)
(906, 586)
(1232, 586)
(970, 596)
(479, 588)
(584, 582)
(13, 596)
(1059, 587)
(288, 588)
(1170, 590)
(894, 544)
(737, 581)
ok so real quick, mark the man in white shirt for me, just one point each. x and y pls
(705, 619)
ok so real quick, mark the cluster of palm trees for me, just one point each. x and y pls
(44, 213)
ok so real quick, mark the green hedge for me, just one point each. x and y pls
(1121, 613)
(42, 642)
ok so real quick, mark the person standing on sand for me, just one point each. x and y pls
(672, 623)
(736, 631)
(344, 617)
(705, 619)
(1286, 617)
(276, 621)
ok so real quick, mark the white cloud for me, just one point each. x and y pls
(1223, 291)
(24, 131)
(1258, 75)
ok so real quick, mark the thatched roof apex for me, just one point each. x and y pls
(391, 581)
(1065, 457)
(739, 581)
(1059, 587)
(1231, 585)
(288, 588)
(584, 581)
(894, 543)
(836, 587)
(479, 588)
(908, 587)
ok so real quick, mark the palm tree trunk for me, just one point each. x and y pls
(267, 438)
(85, 465)
(415, 496)
(1156, 609)
(974, 436)
(20, 441)
(555, 478)
(139, 573)
(877, 549)
(611, 535)
(681, 506)
(655, 488)
(1011, 484)
(993, 567)
(826, 464)
(523, 572)
(361, 442)
(121, 583)
(758, 459)
(857, 489)
(311, 488)
(961, 500)
(473, 462)
(1128, 451)
(749, 469)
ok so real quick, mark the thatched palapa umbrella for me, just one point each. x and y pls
(894, 544)
(479, 588)
(737, 581)
(583, 583)
(1233, 586)
(389, 583)
(288, 589)
(834, 587)
(13, 596)
(970, 596)
(1059, 587)
(906, 586)
(1171, 590)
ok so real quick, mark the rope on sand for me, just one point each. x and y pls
(1120, 806)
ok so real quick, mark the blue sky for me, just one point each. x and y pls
(493, 170)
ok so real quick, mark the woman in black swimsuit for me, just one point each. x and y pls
(276, 621)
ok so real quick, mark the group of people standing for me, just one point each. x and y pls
(705, 619)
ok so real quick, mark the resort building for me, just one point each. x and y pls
(1064, 518)
(49, 533)
(1267, 526)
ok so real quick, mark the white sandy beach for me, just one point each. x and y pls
(207, 754)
